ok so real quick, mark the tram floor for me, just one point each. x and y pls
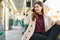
(14, 34)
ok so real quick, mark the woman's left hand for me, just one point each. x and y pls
(58, 22)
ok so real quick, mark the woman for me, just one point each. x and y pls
(39, 25)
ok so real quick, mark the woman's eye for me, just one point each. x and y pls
(37, 6)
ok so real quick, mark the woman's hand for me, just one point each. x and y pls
(30, 11)
(58, 22)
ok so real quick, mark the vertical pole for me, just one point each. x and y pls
(6, 15)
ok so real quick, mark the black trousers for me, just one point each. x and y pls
(51, 34)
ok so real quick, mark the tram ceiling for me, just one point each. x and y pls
(18, 4)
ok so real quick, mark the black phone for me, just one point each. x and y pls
(33, 10)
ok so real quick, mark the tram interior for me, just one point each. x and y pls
(13, 13)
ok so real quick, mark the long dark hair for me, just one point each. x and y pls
(34, 14)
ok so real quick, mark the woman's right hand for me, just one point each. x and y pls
(30, 11)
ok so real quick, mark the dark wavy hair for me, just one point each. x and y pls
(0, 0)
(34, 14)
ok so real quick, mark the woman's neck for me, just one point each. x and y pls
(39, 14)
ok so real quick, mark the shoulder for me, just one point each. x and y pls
(46, 16)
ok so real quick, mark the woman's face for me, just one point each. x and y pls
(38, 8)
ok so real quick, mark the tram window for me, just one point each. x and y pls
(28, 4)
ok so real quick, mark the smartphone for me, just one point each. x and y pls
(33, 10)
